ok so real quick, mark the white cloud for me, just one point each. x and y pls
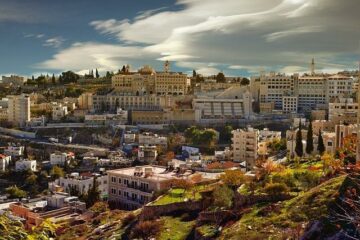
(293, 32)
(250, 35)
(92, 55)
(54, 42)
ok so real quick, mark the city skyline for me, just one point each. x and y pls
(236, 37)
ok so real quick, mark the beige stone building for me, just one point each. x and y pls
(244, 146)
(343, 110)
(130, 188)
(19, 109)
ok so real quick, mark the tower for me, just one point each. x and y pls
(167, 66)
(312, 67)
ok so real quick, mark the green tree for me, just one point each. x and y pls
(233, 178)
(97, 74)
(69, 77)
(321, 146)
(57, 172)
(309, 139)
(223, 196)
(220, 77)
(53, 80)
(93, 195)
(244, 82)
(298, 143)
(15, 192)
(194, 73)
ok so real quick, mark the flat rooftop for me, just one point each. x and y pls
(158, 173)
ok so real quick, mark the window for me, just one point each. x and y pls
(113, 179)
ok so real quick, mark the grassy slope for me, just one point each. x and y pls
(307, 206)
(175, 228)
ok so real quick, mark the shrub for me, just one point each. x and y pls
(308, 179)
(223, 196)
(99, 207)
(274, 189)
(146, 230)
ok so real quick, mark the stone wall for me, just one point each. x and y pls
(153, 211)
(241, 201)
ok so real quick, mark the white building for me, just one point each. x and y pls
(244, 146)
(19, 109)
(14, 151)
(339, 85)
(23, 165)
(82, 184)
(59, 111)
(147, 138)
(3, 114)
(4, 162)
(59, 158)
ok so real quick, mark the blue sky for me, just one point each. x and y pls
(238, 37)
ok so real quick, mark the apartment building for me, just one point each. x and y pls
(275, 86)
(312, 92)
(130, 188)
(343, 110)
(81, 183)
(85, 101)
(3, 114)
(147, 153)
(339, 85)
(60, 158)
(19, 109)
(244, 146)
(148, 138)
(290, 104)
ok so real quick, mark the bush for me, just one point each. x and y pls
(286, 178)
(146, 229)
(15, 192)
(223, 196)
(308, 179)
(274, 189)
(99, 207)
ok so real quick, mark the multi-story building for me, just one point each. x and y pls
(3, 114)
(342, 131)
(81, 183)
(275, 86)
(148, 138)
(343, 110)
(244, 146)
(312, 92)
(59, 111)
(25, 164)
(133, 187)
(85, 101)
(229, 106)
(19, 109)
(339, 85)
(290, 104)
(60, 158)
(147, 153)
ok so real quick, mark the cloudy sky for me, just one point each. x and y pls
(238, 37)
